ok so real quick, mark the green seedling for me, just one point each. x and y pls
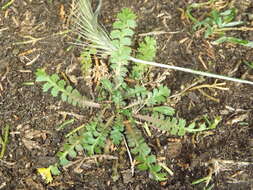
(206, 180)
(4, 140)
(130, 105)
(7, 5)
(234, 41)
(249, 64)
(197, 6)
(147, 52)
(218, 23)
(212, 124)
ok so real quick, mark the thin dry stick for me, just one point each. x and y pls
(4, 140)
(211, 75)
(129, 155)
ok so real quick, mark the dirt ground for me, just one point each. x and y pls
(33, 34)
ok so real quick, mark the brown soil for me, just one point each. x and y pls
(34, 115)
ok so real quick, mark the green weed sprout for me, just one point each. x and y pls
(249, 64)
(129, 105)
(218, 23)
(205, 180)
(7, 5)
(87, 26)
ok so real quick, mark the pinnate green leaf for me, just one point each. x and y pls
(166, 110)
(58, 86)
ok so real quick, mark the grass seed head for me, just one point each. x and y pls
(88, 28)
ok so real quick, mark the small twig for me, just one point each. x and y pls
(32, 61)
(4, 140)
(3, 29)
(94, 157)
(3, 185)
(129, 155)
(5, 74)
(77, 116)
(187, 88)
(103, 156)
(234, 29)
(214, 85)
(90, 104)
(209, 96)
(7, 163)
(166, 168)
(155, 33)
(34, 40)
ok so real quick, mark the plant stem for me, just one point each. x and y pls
(206, 74)
(75, 130)
(234, 29)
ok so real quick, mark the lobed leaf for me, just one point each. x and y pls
(146, 160)
(58, 86)
(158, 96)
(121, 33)
(116, 133)
(147, 52)
(166, 110)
